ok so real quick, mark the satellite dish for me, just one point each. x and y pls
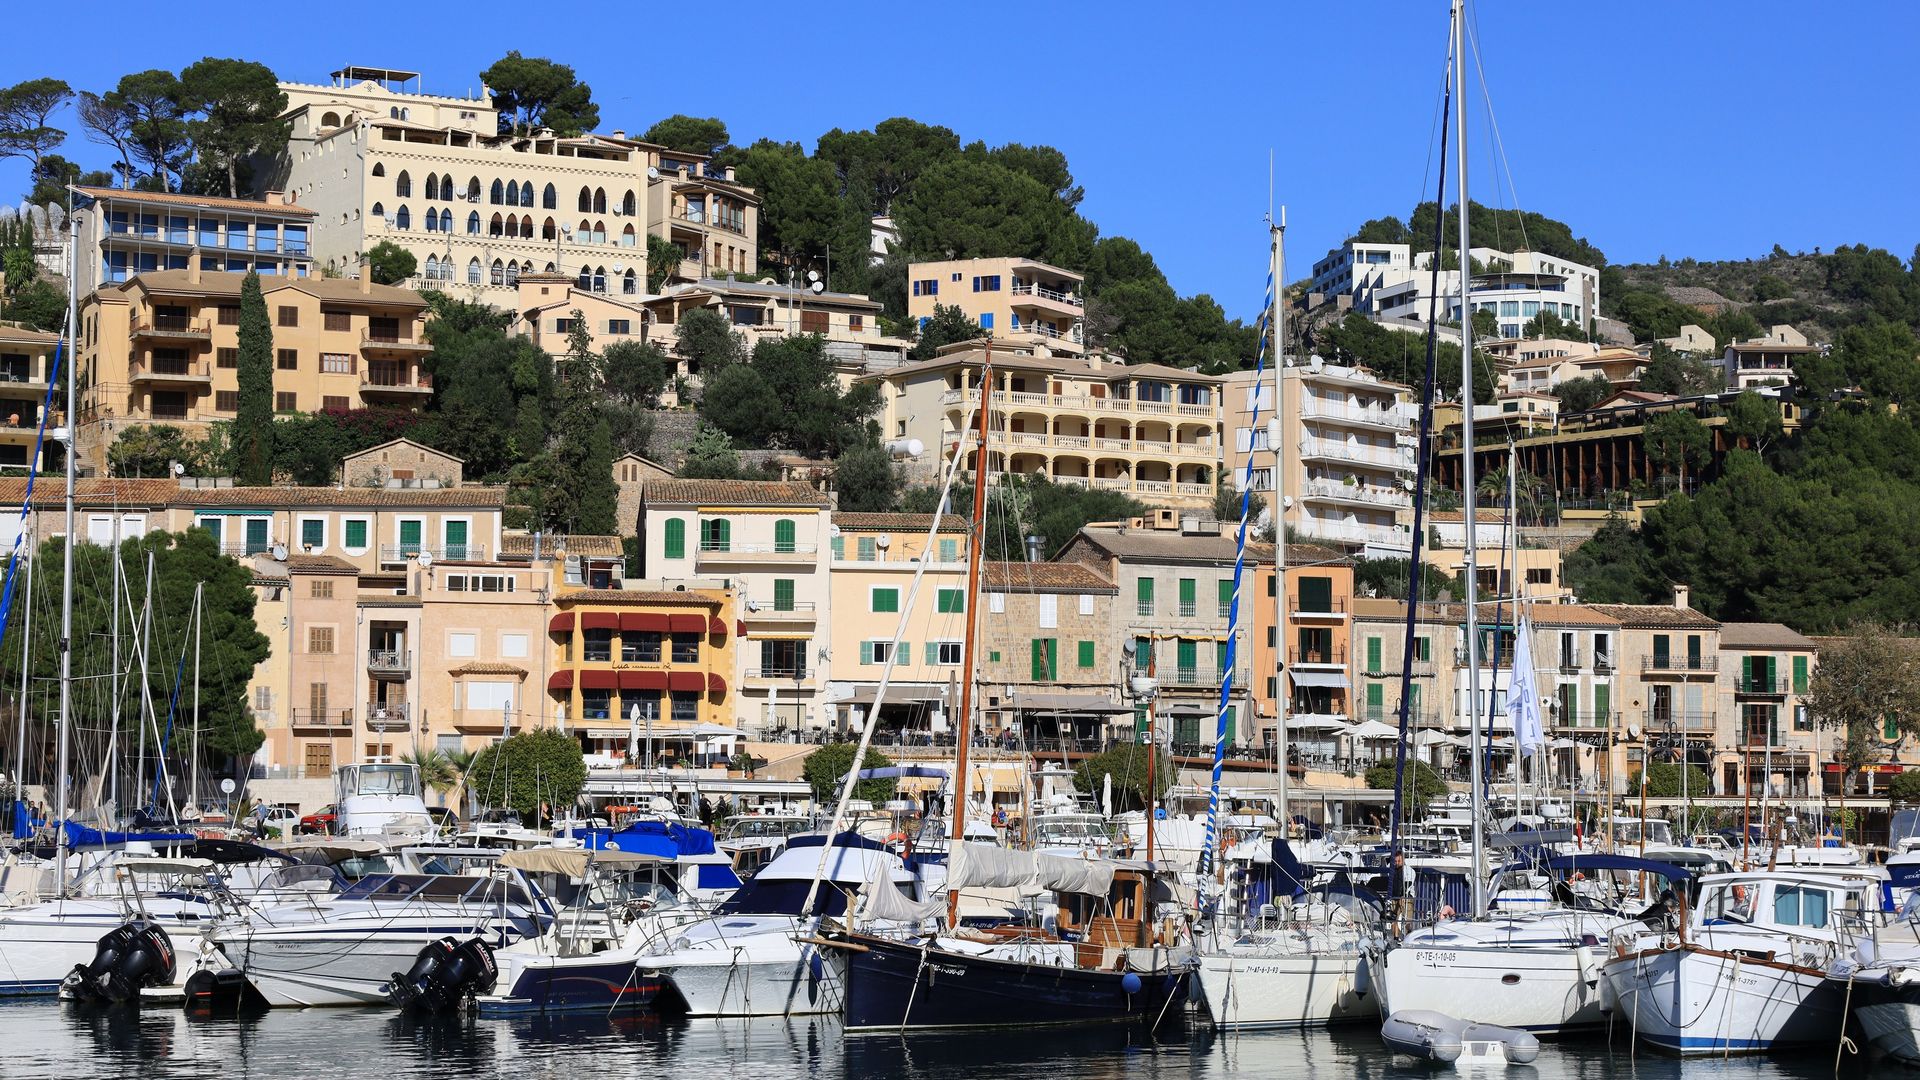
(1127, 647)
(426, 557)
(813, 275)
(818, 288)
(653, 172)
(1315, 362)
(279, 553)
(753, 605)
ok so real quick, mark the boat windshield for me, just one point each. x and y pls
(754, 828)
(785, 896)
(1073, 828)
(1905, 824)
(435, 888)
(385, 780)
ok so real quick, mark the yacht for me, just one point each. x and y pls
(380, 798)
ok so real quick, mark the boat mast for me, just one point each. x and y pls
(26, 664)
(1470, 569)
(61, 757)
(113, 674)
(976, 550)
(1514, 579)
(1275, 433)
(199, 626)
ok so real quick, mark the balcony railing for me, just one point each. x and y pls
(1592, 721)
(1657, 721)
(246, 548)
(1383, 456)
(324, 721)
(1759, 686)
(392, 339)
(1324, 608)
(178, 371)
(1364, 493)
(758, 608)
(389, 660)
(1326, 656)
(172, 325)
(393, 378)
(1196, 675)
(400, 553)
(711, 548)
(1315, 529)
(1688, 664)
(1025, 288)
(1570, 660)
(797, 674)
(391, 716)
(1372, 417)
(1079, 402)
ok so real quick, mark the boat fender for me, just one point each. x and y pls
(1130, 983)
(1362, 978)
(215, 990)
(129, 958)
(446, 974)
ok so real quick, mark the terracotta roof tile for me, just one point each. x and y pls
(320, 564)
(898, 522)
(1044, 577)
(483, 667)
(732, 493)
(1155, 545)
(521, 544)
(52, 491)
(1763, 635)
(485, 498)
(1655, 616)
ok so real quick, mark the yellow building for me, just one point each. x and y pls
(1309, 653)
(1023, 301)
(875, 557)
(165, 348)
(1146, 430)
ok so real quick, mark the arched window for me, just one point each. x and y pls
(628, 203)
(446, 188)
(379, 168)
(586, 201)
(473, 270)
(433, 266)
(405, 113)
(331, 120)
(433, 188)
(378, 211)
(446, 221)
(432, 220)
(513, 274)
(526, 194)
(549, 199)
(583, 232)
(627, 237)
(496, 193)
(548, 230)
(499, 273)
(402, 219)
(526, 226)
(550, 268)
(473, 223)
(599, 232)
(473, 189)
(629, 284)
(393, 111)
(493, 227)
(403, 185)
(599, 200)
(586, 279)
(513, 193)
(599, 279)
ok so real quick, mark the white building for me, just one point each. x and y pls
(1360, 271)
(1389, 281)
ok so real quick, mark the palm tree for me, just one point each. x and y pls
(436, 771)
(1528, 489)
(461, 763)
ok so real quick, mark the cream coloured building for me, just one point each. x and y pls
(1023, 301)
(26, 369)
(376, 160)
(874, 560)
(1146, 430)
(124, 233)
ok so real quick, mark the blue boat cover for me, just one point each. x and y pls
(22, 827)
(82, 836)
(1598, 861)
(665, 839)
(843, 839)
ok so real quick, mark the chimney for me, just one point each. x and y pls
(1680, 596)
(619, 133)
(193, 268)
(366, 276)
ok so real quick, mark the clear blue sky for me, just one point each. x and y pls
(1708, 129)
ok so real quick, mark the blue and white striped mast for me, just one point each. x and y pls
(1271, 318)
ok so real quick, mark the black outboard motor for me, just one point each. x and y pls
(446, 974)
(214, 991)
(130, 958)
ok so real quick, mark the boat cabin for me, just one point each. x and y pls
(1104, 927)
(1794, 903)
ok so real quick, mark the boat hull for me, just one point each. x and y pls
(348, 966)
(893, 985)
(600, 983)
(801, 980)
(1547, 991)
(1285, 991)
(1691, 1001)
(1889, 1016)
(36, 953)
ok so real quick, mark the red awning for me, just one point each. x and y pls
(686, 680)
(560, 680)
(599, 620)
(689, 624)
(740, 627)
(561, 624)
(597, 679)
(716, 684)
(643, 680)
(717, 626)
(642, 621)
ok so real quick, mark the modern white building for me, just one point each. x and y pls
(1361, 271)
(1391, 281)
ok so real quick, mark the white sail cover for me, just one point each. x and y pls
(882, 901)
(985, 866)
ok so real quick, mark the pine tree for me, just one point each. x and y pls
(253, 416)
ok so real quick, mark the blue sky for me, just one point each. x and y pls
(1708, 129)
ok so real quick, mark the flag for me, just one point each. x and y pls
(1523, 698)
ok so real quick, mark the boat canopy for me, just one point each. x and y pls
(574, 862)
(1601, 861)
(987, 866)
(897, 772)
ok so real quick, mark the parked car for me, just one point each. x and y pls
(320, 821)
(282, 818)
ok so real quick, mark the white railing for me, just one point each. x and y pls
(1378, 496)
(1386, 457)
(1080, 402)
(1312, 529)
(1029, 289)
(1380, 417)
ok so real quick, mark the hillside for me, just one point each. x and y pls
(1820, 294)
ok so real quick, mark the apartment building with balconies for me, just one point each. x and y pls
(878, 619)
(1302, 654)
(1348, 458)
(1670, 675)
(1146, 430)
(847, 323)
(1765, 360)
(126, 233)
(26, 373)
(164, 348)
(1051, 668)
(387, 534)
(377, 160)
(1174, 582)
(771, 540)
(1022, 301)
(1356, 271)
(1768, 743)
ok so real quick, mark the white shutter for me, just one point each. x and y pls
(1086, 603)
(997, 603)
(1049, 611)
(1243, 439)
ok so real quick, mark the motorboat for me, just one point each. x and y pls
(1745, 970)
(1880, 978)
(750, 841)
(380, 798)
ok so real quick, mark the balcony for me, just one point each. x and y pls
(739, 554)
(1329, 656)
(395, 381)
(1352, 532)
(246, 549)
(172, 328)
(1569, 660)
(20, 377)
(1658, 721)
(1041, 297)
(1335, 608)
(1176, 675)
(170, 373)
(1082, 403)
(1380, 457)
(401, 554)
(391, 716)
(1760, 686)
(323, 722)
(1679, 665)
(1584, 721)
(758, 610)
(392, 343)
(389, 663)
(776, 676)
(1355, 494)
(1373, 417)
(1603, 663)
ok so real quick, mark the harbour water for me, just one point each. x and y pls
(40, 1039)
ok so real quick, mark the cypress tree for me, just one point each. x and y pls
(253, 418)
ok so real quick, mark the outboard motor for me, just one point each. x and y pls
(130, 958)
(446, 973)
(211, 991)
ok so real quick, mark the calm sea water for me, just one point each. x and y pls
(48, 1040)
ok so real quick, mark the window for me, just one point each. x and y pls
(337, 320)
(1086, 603)
(868, 550)
(319, 639)
(686, 706)
(783, 594)
(1539, 575)
(875, 652)
(716, 534)
(287, 359)
(286, 401)
(1799, 905)
(1045, 653)
(355, 538)
(226, 400)
(883, 600)
(952, 601)
(597, 645)
(783, 659)
(783, 536)
(1799, 675)
(321, 589)
(336, 364)
(674, 538)
(313, 533)
(949, 551)
(838, 545)
(1316, 594)
(997, 603)
(686, 649)
(289, 315)
(986, 320)
(1144, 604)
(1049, 611)
(463, 645)
(640, 646)
(947, 653)
(1373, 654)
(1086, 654)
(928, 287)
(987, 283)
(856, 323)
(1226, 598)
(1189, 606)
(229, 315)
(619, 326)
(480, 583)
(513, 646)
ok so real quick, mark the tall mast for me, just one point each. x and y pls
(26, 663)
(1470, 569)
(66, 584)
(1276, 431)
(976, 550)
(199, 627)
(113, 672)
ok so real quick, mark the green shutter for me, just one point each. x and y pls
(1053, 659)
(1661, 650)
(949, 551)
(1086, 654)
(1423, 649)
(1226, 598)
(1693, 652)
(1373, 654)
(867, 549)
(952, 601)
(1140, 723)
(866, 652)
(1376, 700)
(1187, 593)
(410, 536)
(1799, 674)
(1890, 728)
(839, 546)
(1039, 659)
(886, 600)
(933, 652)
(783, 535)
(1219, 657)
(723, 534)
(1746, 673)
(455, 533)
(313, 533)
(903, 652)
(1186, 654)
(1603, 705)
(675, 538)
(1146, 596)
(1316, 594)
(356, 534)
(1413, 703)
(1233, 721)
(783, 594)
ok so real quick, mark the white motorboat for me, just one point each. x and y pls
(1746, 970)
(1880, 977)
